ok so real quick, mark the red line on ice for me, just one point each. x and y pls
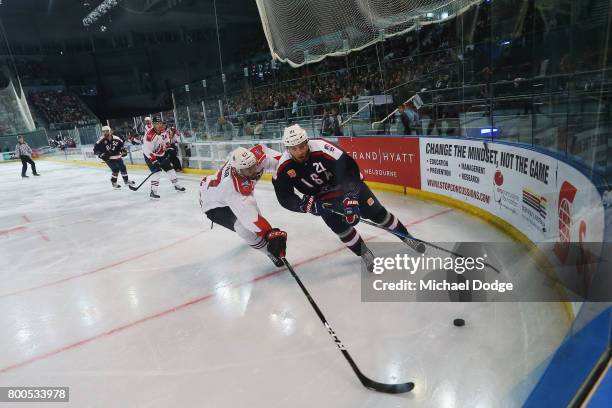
(68, 224)
(102, 268)
(41, 220)
(8, 231)
(43, 236)
(187, 304)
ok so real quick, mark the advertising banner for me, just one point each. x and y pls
(549, 201)
(386, 159)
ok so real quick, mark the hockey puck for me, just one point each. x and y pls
(459, 322)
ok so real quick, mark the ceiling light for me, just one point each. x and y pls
(104, 7)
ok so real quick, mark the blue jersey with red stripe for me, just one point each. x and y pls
(327, 173)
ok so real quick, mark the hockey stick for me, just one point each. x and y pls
(143, 181)
(370, 384)
(400, 235)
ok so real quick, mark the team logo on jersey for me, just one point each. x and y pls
(291, 173)
(370, 201)
(328, 147)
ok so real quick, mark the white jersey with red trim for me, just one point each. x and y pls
(154, 145)
(170, 139)
(147, 128)
(227, 188)
(176, 138)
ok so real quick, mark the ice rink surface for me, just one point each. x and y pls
(138, 303)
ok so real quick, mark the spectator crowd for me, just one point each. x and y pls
(460, 59)
(59, 107)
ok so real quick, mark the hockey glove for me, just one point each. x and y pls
(277, 242)
(155, 166)
(164, 161)
(104, 156)
(351, 210)
(310, 204)
(123, 152)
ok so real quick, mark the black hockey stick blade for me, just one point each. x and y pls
(368, 383)
(387, 388)
(400, 235)
(375, 385)
(141, 183)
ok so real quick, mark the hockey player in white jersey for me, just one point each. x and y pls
(157, 158)
(227, 199)
(148, 125)
(173, 138)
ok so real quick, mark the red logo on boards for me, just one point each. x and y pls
(498, 178)
(566, 198)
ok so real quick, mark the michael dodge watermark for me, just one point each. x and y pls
(462, 272)
(413, 264)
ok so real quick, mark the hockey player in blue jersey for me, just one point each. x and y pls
(328, 178)
(110, 149)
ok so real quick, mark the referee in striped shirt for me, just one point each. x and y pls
(24, 152)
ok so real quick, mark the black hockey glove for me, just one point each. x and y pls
(310, 204)
(155, 166)
(277, 242)
(163, 162)
(104, 156)
(123, 152)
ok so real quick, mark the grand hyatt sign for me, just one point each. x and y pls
(386, 159)
(385, 156)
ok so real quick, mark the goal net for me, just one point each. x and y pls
(306, 31)
(15, 115)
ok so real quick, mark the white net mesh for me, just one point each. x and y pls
(15, 114)
(306, 31)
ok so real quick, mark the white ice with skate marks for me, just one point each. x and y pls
(137, 303)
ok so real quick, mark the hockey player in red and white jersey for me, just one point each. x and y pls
(227, 199)
(157, 157)
(174, 136)
(173, 139)
(148, 125)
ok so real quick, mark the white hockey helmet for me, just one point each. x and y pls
(105, 128)
(243, 159)
(147, 119)
(294, 135)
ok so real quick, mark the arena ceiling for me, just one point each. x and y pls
(174, 12)
(78, 6)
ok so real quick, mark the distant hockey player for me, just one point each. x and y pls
(173, 139)
(157, 158)
(148, 124)
(110, 149)
(227, 199)
(329, 178)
